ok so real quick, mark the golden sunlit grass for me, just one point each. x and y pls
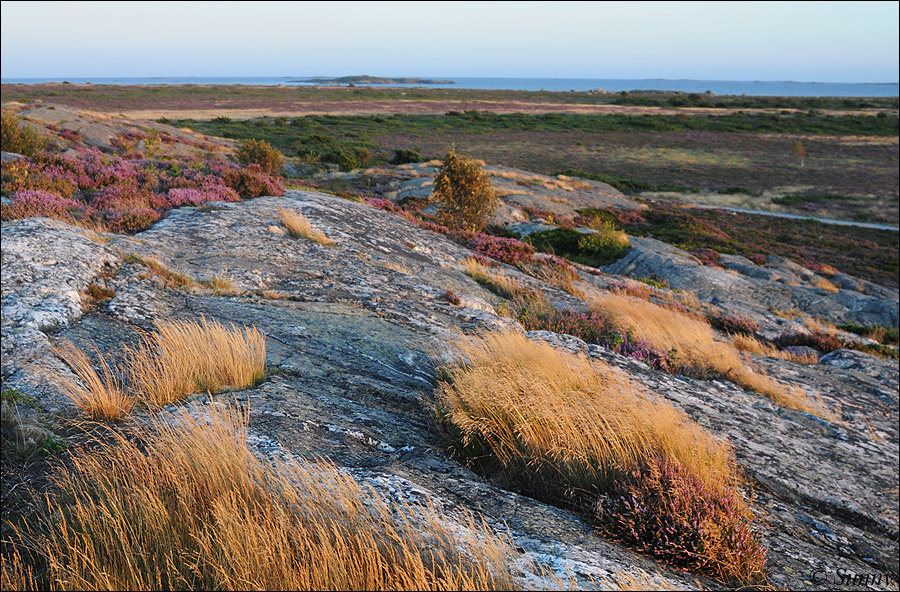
(697, 349)
(98, 395)
(495, 280)
(184, 357)
(826, 285)
(746, 343)
(172, 279)
(222, 284)
(568, 430)
(299, 226)
(191, 508)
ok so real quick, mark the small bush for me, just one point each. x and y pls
(19, 139)
(464, 195)
(403, 156)
(262, 153)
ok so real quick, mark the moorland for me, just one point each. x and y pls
(338, 338)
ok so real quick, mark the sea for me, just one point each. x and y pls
(718, 87)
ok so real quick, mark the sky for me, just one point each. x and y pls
(802, 41)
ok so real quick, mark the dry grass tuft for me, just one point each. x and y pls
(746, 343)
(495, 280)
(565, 429)
(99, 396)
(190, 507)
(692, 342)
(299, 226)
(184, 357)
(173, 279)
(222, 284)
(826, 285)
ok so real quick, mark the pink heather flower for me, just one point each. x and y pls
(35, 202)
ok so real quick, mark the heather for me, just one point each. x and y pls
(125, 190)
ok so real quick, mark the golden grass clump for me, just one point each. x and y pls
(171, 278)
(826, 285)
(190, 507)
(746, 343)
(495, 280)
(184, 357)
(575, 432)
(222, 284)
(299, 226)
(696, 348)
(100, 396)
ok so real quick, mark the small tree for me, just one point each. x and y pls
(463, 193)
(800, 151)
(262, 153)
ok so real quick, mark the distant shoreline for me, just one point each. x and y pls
(715, 87)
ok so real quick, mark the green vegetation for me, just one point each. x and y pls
(883, 335)
(601, 248)
(627, 185)
(463, 193)
(260, 152)
(17, 138)
(121, 97)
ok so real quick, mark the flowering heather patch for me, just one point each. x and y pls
(707, 257)
(828, 342)
(661, 509)
(732, 324)
(511, 251)
(125, 192)
(71, 135)
(37, 202)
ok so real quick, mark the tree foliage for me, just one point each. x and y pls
(463, 193)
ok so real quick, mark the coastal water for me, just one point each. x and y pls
(719, 87)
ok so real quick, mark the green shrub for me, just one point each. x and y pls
(402, 156)
(22, 140)
(606, 246)
(594, 249)
(465, 198)
(262, 153)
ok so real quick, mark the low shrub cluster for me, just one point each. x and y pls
(189, 507)
(576, 433)
(261, 153)
(123, 192)
(512, 251)
(17, 138)
(595, 249)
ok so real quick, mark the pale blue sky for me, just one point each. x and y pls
(805, 41)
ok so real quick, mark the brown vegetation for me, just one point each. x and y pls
(299, 226)
(190, 507)
(565, 429)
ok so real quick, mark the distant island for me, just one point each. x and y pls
(373, 80)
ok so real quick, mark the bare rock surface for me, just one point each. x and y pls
(354, 332)
(758, 291)
(78, 128)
